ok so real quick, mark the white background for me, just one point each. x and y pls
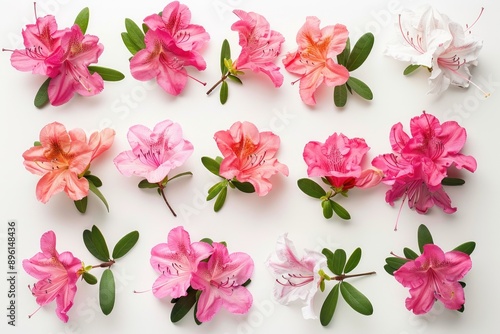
(248, 223)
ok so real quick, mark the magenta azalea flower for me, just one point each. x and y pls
(249, 155)
(296, 278)
(315, 57)
(177, 261)
(57, 275)
(220, 281)
(432, 276)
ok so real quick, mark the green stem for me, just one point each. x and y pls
(104, 264)
(223, 78)
(165, 199)
(343, 276)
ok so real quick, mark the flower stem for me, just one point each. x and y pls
(165, 199)
(343, 276)
(223, 78)
(104, 264)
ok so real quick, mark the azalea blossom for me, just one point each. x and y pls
(57, 275)
(249, 155)
(433, 40)
(177, 261)
(220, 281)
(296, 277)
(63, 157)
(314, 60)
(339, 161)
(432, 276)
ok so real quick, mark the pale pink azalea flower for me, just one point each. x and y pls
(220, 281)
(248, 155)
(177, 261)
(339, 160)
(260, 46)
(154, 152)
(62, 158)
(434, 275)
(57, 275)
(315, 57)
(297, 278)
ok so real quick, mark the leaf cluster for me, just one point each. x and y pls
(94, 184)
(227, 71)
(133, 38)
(329, 206)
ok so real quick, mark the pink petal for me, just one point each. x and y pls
(100, 142)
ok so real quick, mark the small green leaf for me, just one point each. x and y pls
(340, 95)
(235, 79)
(410, 69)
(452, 181)
(94, 179)
(125, 244)
(82, 19)
(462, 284)
(311, 188)
(327, 208)
(224, 92)
(145, 28)
(353, 261)
(216, 189)
(225, 53)
(196, 321)
(390, 270)
(107, 74)
(37, 143)
(329, 258)
(107, 292)
(424, 237)
(180, 175)
(462, 308)
(42, 96)
(89, 278)
(410, 254)
(98, 193)
(183, 305)
(145, 184)
(339, 259)
(135, 34)
(395, 262)
(221, 198)
(100, 243)
(129, 44)
(247, 282)
(340, 211)
(356, 299)
(360, 88)
(212, 165)
(89, 243)
(467, 247)
(81, 205)
(344, 55)
(207, 240)
(360, 51)
(329, 305)
(245, 187)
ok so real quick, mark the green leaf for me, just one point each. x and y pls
(467, 247)
(82, 19)
(247, 282)
(390, 270)
(37, 143)
(145, 184)
(340, 211)
(96, 244)
(311, 188)
(42, 96)
(360, 88)
(235, 79)
(353, 261)
(224, 92)
(183, 305)
(98, 193)
(81, 205)
(339, 259)
(107, 292)
(395, 262)
(424, 237)
(216, 189)
(329, 258)
(107, 74)
(245, 187)
(89, 243)
(207, 240)
(327, 208)
(452, 181)
(329, 305)
(145, 28)
(94, 179)
(125, 244)
(410, 69)
(129, 44)
(340, 95)
(344, 55)
(135, 34)
(360, 51)
(89, 278)
(212, 165)
(410, 254)
(356, 299)
(221, 198)
(225, 53)
(180, 175)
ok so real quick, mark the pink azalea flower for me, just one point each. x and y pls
(249, 155)
(260, 46)
(220, 281)
(296, 278)
(57, 275)
(62, 158)
(177, 261)
(315, 57)
(154, 152)
(339, 160)
(432, 276)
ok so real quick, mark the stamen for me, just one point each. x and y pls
(474, 23)
(135, 291)
(399, 212)
(443, 62)
(32, 314)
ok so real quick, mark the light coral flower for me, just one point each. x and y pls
(57, 275)
(177, 261)
(249, 155)
(296, 278)
(432, 276)
(220, 281)
(315, 57)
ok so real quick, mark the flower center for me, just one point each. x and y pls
(295, 280)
